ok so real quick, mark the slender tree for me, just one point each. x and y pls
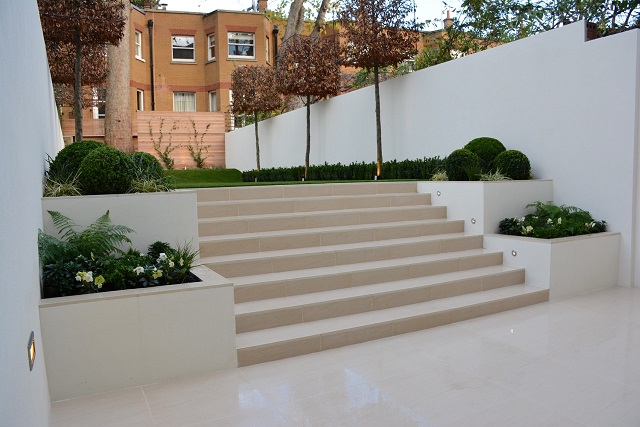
(309, 67)
(379, 33)
(81, 25)
(254, 91)
(304, 10)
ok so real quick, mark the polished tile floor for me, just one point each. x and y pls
(573, 362)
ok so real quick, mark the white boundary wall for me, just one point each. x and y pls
(570, 105)
(29, 129)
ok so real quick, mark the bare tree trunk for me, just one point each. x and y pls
(294, 17)
(376, 82)
(77, 86)
(320, 18)
(255, 118)
(117, 124)
(306, 158)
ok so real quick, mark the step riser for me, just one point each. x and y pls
(328, 309)
(325, 238)
(289, 191)
(319, 342)
(266, 207)
(250, 267)
(256, 224)
(279, 289)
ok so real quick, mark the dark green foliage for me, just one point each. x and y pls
(406, 169)
(156, 248)
(550, 222)
(513, 164)
(67, 162)
(146, 166)
(487, 149)
(106, 170)
(462, 165)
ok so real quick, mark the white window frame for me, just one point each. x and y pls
(213, 101)
(266, 44)
(175, 45)
(138, 40)
(185, 107)
(211, 47)
(234, 35)
(140, 99)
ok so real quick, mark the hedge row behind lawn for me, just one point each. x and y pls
(421, 169)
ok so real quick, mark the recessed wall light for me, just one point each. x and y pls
(473, 220)
(31, 351)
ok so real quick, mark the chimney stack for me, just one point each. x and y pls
(146, 4)
(262, 6)
(448, 21)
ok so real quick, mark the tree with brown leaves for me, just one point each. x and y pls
(80, 26)
(254, 90)
(379, 33)
(309, 67)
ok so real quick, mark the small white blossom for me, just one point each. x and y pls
(549, 221)
(559, 220)
(181, 262)
(171, 264)
(529, 229)
(138, 270)
(162, 257)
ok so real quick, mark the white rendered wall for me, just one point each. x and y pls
(571, 106)
(29, 129)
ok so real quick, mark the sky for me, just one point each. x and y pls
(426, 9)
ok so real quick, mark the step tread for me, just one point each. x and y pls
(378, 288)
(357, 267)
(230, 237)
(251, 339)
(306, 199)
(334, 248)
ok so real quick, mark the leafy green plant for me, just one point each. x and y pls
(462, 164)
(198, 147)
(549, 222)
(494, 176)
(61, 183)
(439, 176)
(146, 165)
(164, 152)
(67, 162)
(513, 164)
(106, 170)
(487, 149)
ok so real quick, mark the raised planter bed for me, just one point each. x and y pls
(108, 341)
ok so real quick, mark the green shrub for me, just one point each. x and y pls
(462, 165)
(67, 162)
(487, 149)
(146, 166)
(106, 170)
(513, 164)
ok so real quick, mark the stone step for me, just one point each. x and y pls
(325, 236)
(304, 281)
(291, 221)
(247, 264)
(304, 338)
(308, 204)
(276, 312)
(308, 190)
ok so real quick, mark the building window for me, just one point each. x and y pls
(184, 101)
(211, 42)
(266, 44)
(241, 45)
(140, 100)
(138, 45)
(213, 101)
(183, 48)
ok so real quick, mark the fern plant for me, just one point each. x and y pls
(98, 239)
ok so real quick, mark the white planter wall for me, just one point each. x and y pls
(568, 266)
(169, 217)
(29, 129)
(570, 105)
(113, 340)
(482, 205)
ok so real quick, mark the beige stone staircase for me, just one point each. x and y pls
(320, 266)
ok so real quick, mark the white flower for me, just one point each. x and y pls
(181, 262)
(529, 229)
(171, 264)
(162, 257)
(593, 224)
(138, 270)
(559, 220)
(78, 276)
(549, 221)
(88, 277)
(522, 219)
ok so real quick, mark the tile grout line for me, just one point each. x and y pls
(148, 406)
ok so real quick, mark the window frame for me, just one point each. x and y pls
(138, 43)
(140, 99)
(184, 93)
(211, 48)
(213, 106)
(183, 48)
(239, 35)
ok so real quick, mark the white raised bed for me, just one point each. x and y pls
(108, 341)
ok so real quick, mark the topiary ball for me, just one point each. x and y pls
(106, 170)
(513, 164)
(67, 161)
(487, 149)
(146, 166)
(461, 164)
